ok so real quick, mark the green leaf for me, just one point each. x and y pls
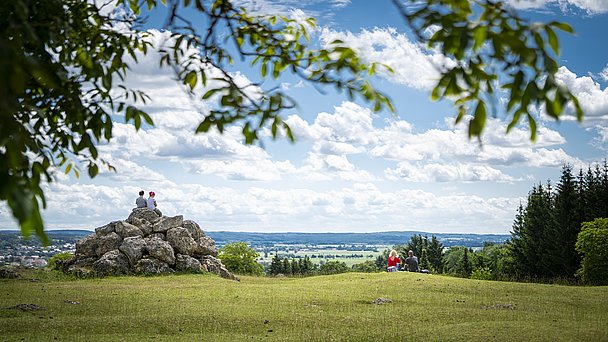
(191, 79)
(562, 26)
(553, 41)
(480, 36)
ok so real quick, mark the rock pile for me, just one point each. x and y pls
(145, 244)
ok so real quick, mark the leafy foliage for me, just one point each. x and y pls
(494, 49)
(240, 258)
(592, 243)
(333, 267)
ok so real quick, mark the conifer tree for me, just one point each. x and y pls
(566, 218)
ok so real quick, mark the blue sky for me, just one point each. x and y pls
(351, 170)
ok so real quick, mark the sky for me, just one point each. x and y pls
(350, 170)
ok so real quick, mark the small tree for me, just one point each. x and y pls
(592, 243)
(333, 267)
(276, 265)
(367, 266)
(240, 258)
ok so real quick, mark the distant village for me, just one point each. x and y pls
(16, 250)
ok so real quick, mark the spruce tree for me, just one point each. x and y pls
(566, 217)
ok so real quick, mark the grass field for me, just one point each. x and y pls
(323, 308)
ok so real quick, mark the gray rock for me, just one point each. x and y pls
(87, 246)
(143, 214)
(194, 229)
(160, 236)
(181, 241)
(111, 263)
(107, 243)
(214, 265)
(133, 247)
(152, 266)
(187, 264)
(80, 271)
(205, 246)
(107, 229)
(160, 250)
(166, 223)
(143, 225)
(125, 230)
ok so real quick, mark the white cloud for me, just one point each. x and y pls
(414, 66)
(592, 98)
(604, 74)
(435, 172)
(591, 7)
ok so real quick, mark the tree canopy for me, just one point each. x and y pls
(64, 63)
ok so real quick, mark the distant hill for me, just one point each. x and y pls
(269, 239)
(377, 238)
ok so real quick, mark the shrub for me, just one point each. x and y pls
(58, 256)
(333, 267)
(482, 273)
(592, 243)
(367, 266)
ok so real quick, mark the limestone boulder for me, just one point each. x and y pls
(214, 265)
(157, 236)
(205, 246)
(125, 230)
(181, 241)
(143, 214)
(111, 263)
(87, 246)
(194, 229)
(152, 266)
(107, 229)
(166, 223)
(107, 243)
(133, 247)
(160, 250)
(187, 263)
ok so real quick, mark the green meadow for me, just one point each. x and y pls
(322, 308)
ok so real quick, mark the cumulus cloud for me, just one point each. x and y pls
(414, 66)
(591, 7)
(593, 99)
(357, 207)
(435, 172)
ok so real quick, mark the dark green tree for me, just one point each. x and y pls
(465, 264)
(276, 265)
(435, 253)
(333, 267)
(286, 267)
(566, 218)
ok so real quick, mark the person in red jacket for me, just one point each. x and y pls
(393, 262)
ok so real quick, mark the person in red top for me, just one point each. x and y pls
(393, 262)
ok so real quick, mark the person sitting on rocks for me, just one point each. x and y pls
(152, 204)
(140, 202)
(411, 262)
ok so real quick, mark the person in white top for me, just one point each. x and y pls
(152, 204)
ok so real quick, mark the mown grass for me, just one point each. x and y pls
(323, 308)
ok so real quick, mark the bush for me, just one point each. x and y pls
(239, 258)
(592, 243)
(59, 256)
(367, 266)
(333, 267)
(482, 273)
